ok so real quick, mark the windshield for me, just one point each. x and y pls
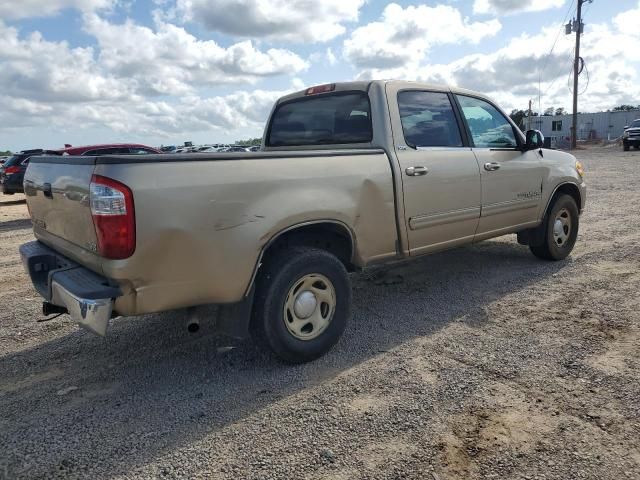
(337, 118)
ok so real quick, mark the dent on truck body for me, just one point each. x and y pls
(199, 237)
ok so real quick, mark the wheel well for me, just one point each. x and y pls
(571, 190)
(332, 237)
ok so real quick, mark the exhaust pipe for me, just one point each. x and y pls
(193, 322)
(193, 326)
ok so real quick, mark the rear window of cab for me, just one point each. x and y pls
(326, 119)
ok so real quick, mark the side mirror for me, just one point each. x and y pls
(535, 139)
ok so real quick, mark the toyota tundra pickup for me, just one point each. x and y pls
(349, 175)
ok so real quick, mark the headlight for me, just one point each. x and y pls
(580, 168)
(626, 134)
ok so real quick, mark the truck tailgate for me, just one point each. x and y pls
(57, 191)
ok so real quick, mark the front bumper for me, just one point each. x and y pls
(631, 141)
(87, 296)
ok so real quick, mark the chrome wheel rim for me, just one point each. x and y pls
(562, 227)
(309, 306)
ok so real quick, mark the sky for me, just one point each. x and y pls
(208, 71)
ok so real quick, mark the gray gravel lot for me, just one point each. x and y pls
(481, 362)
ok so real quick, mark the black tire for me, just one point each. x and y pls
(637, 147)
(625, 147)
(276, 279)
(551, 249)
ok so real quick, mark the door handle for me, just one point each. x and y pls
(491, 166)
(46, 189)
(416, 171)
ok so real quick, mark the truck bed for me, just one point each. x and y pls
(200, 216)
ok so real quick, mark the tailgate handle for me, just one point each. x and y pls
(46, 189)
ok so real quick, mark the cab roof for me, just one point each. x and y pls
(366, 85)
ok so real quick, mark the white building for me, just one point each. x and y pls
(591, 126)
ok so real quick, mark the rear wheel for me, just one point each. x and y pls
(303, 303)
(561, 229)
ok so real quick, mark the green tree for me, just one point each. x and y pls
(249, 142)
(560, 111)
(625, 108)
(549, 112)
(518, 116)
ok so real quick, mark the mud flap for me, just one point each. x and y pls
(233, 319)
(533, 236)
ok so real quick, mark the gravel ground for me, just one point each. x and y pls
(481, 362)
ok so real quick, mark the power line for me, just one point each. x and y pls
(546, 62)
(566, 15)
(569, 63)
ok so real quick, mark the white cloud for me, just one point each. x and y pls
(628, 22)
(171, 119)
(331, 57)
(40, 8)
(39, 70)
(514, 73)
(51, 85)
(291, 20)
(170, 60)
(505, 7)
(403, 36)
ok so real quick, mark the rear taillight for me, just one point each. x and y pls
(113, 217)
(11, 170)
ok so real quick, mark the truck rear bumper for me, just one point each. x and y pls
(87, 296)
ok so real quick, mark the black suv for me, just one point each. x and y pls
(631, 136)
(12, 171)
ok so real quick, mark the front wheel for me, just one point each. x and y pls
(303, 303)
(625, 147)
(561, 229)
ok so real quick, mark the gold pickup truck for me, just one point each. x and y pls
(349, 175)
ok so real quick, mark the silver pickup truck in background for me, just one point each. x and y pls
(349, 175)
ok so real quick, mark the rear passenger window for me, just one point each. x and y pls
(428, 120)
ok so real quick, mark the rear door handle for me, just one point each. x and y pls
(416, 171)
(46, 189)
(491, 166)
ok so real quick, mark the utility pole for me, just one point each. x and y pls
(529, 117)
(577, 27)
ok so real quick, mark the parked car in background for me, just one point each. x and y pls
(12, 172)
(631, 136)
(254, 148)
(108, 149)
(168, 149)
(13, 168)
(234, 148)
